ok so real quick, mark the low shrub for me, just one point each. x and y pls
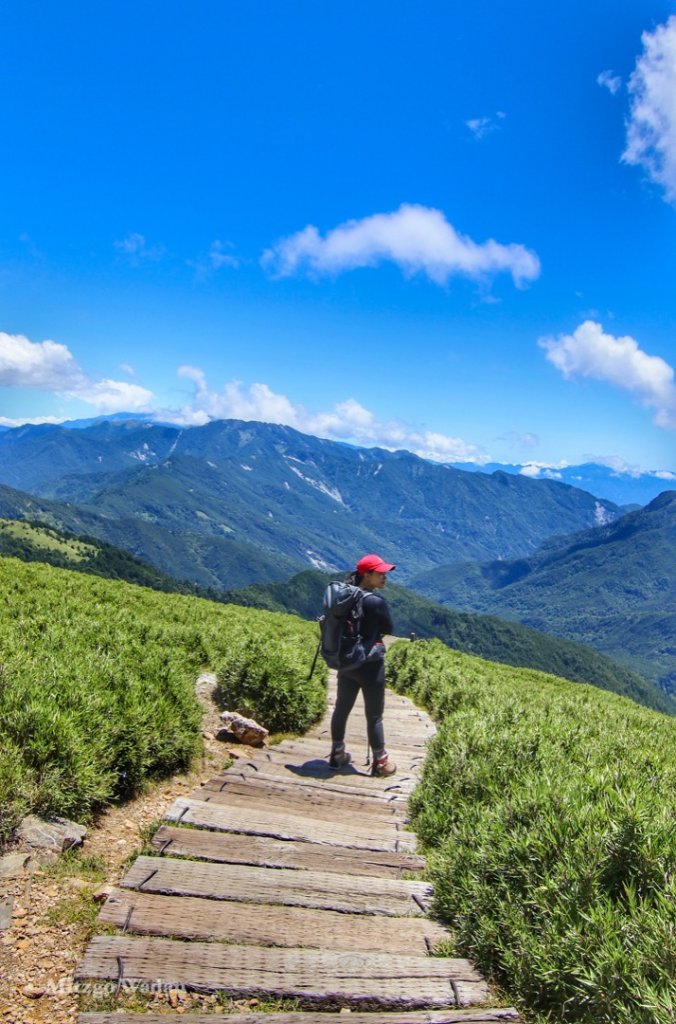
(548, 812)
(97, 679)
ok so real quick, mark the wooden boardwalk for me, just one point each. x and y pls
(280, 878)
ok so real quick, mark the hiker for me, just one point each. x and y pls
(370, 575)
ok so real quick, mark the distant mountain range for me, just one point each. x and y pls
(302, 595)
(613, 587)
(624, 487)
(620, 484)
(290, 496)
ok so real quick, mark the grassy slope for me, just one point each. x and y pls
(97, 684)
(547, 813)
(484, 635)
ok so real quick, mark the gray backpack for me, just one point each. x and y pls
(341, 644)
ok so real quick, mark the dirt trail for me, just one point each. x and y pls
(53, 910)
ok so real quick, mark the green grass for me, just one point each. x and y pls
(97, 684)
(547, 811)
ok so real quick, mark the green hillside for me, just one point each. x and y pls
(613, 588)
(97, 684)
(32, 542)
(485, 635)
(546, 810)
(207, 560)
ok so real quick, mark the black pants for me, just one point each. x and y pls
(370, 679)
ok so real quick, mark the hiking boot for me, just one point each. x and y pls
(340, 757)
(383, 766)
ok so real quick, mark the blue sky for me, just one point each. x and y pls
(417, 225)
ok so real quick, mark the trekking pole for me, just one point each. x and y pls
(314, 661)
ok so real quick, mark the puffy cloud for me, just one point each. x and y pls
(651, 129)
(589, 352)
(610, 81)
(418, 239)
(50, 366)
(346, 421)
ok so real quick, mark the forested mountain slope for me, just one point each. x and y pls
(309, 501)
(613, 588)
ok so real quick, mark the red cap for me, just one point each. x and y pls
(373, 563)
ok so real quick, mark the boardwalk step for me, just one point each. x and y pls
(234, 848)
(241, 882)
(473, 1015)
(355, 979)
(383, 836)
(247, 793)
(187, 917)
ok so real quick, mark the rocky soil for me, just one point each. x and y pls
(47, 911)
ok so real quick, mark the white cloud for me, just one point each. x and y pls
(589, 352)
(346, 421)
(218, 255)
(651, 129)
(137, 250)
(542, 470)
(418, 239)
(610, 81)
(50, 366)
(6, 421)
(480, 127)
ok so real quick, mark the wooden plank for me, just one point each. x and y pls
(367, 797)
(397, 743)
(286, 826)
(355, 775)
(241, 882)
(355, 779)
(407, 760)
(187, 917)
(233, 848)
(473, 1015)
(328, 978)
(334, 807)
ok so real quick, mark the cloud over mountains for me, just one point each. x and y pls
(418, 239)
(590, 352)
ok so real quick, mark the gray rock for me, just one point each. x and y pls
(6, 907)
(59, 834)
(246, 730)
(13, 864)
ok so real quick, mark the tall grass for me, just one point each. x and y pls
(548, 811)
(97, 684)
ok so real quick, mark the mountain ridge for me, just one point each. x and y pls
(310, 500)
(613, 588)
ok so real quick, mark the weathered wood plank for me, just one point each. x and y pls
(356, 779)
(234, 848)
(473, 1015)
(286, 826)
(243, 883)
(334, 807)
(365, 797)
(187, 917)
(407, 762)
(321, 747)
(355, 776)
(344, 978)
